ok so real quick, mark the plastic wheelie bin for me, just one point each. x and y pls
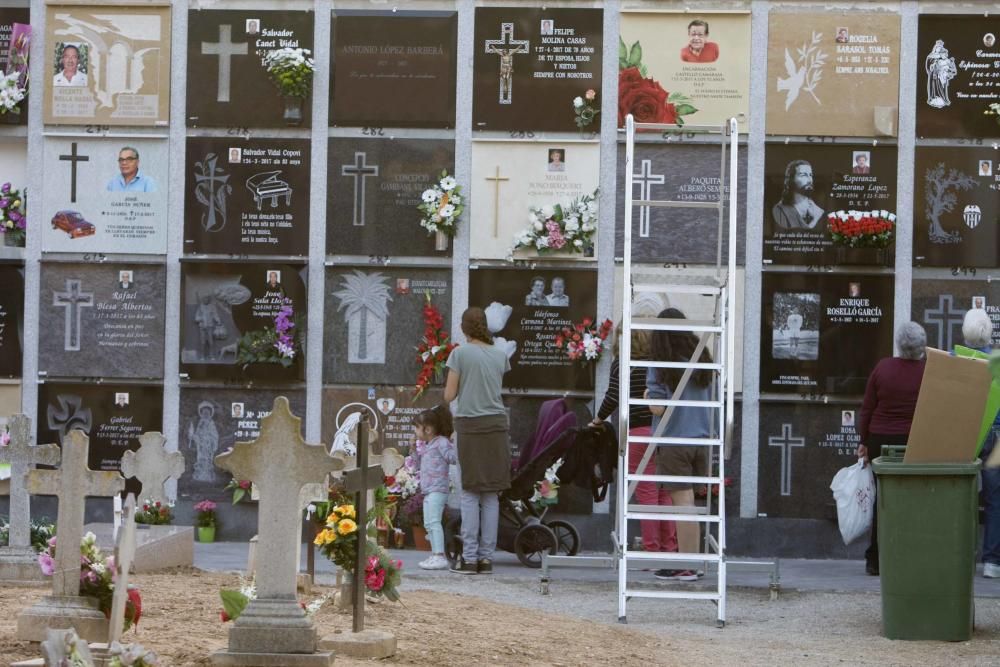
(927, 529)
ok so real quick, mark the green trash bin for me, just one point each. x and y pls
(927, 530)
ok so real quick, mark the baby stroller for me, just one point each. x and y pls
(523, 529)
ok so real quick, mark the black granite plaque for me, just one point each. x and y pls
(823, 333)
(958, 65)
(393, 69)
(955, 206)
(227, 82)
(11, 319)
(807, 183)
(374, 188)
(391, 409)
(374, 322)
(531, 63)
(801, 448)
(112, 415)
(940, 306)
(230, 316)
(213, 419)
(102, 320)
(679, 234)
(247, 196)
(18, 49)
(526, 309)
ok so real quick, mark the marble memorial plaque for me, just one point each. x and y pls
(213, 419)
(822, 334)
(833, 73)
(227, 83)
(958, 65)
(105, 195)
(393, 69)
(527, 54)
(108, 65)
(955, 206)
(247, 196)
(374, 188)
(392, 410)
(10, 401)
(103, 320)
(801, 448)
(113, 415)
(374, 322)
(703, 61)
(940, 304)
(229, 319)
(526, 309)
(509, 178)
(15, 40)
(807, 183)
(687, 235)
(11, 320)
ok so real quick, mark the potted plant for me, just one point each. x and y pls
(155, 513)
(206, 520)
(291, 70)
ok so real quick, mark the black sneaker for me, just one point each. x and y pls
(871, 568)
(676, 575)
(461, 567)
(485, 566)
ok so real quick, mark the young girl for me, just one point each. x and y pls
(434, 427)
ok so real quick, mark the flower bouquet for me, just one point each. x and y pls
(155, 513)
(862, 229)
(547, 489)
(291, 70)
(441, 206)
(434, 349)
(276, 345)
(406, 482)
(13, 215)
(241, 489)
(584, 341)
(586, 108)
(41, 529)
(567, 228)
(206, 513)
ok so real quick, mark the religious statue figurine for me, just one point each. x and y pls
(941, 69)
(207, 317)
(203, 438)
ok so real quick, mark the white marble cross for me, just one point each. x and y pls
(73, 482)
(124, 555)
(152, 465)
(23, 456)
(225, 48)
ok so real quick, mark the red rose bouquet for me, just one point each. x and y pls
(435, 347)
(862, 229)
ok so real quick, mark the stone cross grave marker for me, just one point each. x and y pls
(124, 555)
(152, 465)
(17, 559)
(280, 463)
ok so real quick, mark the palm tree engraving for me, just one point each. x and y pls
(939, 199)
(365, 296)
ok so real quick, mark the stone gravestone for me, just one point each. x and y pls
(124, 554)
(73, 482)
(274, 627)
(17, 559)
(152, 465)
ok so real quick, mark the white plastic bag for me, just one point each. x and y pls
(854, 490)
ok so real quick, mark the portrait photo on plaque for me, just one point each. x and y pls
(827, 204)
(939, 305)
(247, 196)
(833, 74)
(679, 172)
(228, 84)
(525, 309)
(112, 415)
(105, 195)
(243, 321)
(102, 320)
(390, 411)
(213, 419)
(958, 65)
(15, 42)
(374, 186)
(823, 333)
(683, 67)
(11, 319)
(107, 64)
(393, 68)
(537, 69)
(511, 178)
(800, 444)
(374, 321)
(956, 207)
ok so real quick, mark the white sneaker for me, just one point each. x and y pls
(991, 570)
(434, 562)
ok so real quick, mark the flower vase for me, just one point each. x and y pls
(12, 241)
(345, 600)
(293, 111)
(420, 541)
(11, 117)
(206, 533)
(440, 241)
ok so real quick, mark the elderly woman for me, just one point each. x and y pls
(887, 410)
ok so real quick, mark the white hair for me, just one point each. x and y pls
(977, 329)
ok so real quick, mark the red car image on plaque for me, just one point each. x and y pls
(72, 223)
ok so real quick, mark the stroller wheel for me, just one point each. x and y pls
(567, 537)
(531, 541)
(453, 538)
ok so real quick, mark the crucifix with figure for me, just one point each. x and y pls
(73, 158)
(506, 47)
(225, 48)
(73, 300)
(497, 180)
(646, 179)
(360, 170)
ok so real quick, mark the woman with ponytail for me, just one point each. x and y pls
(475, 377)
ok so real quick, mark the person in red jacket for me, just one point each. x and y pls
(699, 49)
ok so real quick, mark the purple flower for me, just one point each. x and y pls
(5, 188)
(4, 203)
(47, 564)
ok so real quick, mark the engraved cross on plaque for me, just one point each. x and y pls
(225, 48)
(73, 158)
(360, 170)
(945, 319)
(496, 178)
(73, 300)
(786, 442)
(506, 47)
(23, 456)
(646, 179)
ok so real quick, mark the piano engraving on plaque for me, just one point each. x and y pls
(267, 185)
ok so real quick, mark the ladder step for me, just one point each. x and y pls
(675, 401)
(642, 363)
(655, 324)
(668, 509)
(668, 127)
(689, 479)
(666, 516)
(666, 203)
(672, 595)
(669, 555)
(707, 285)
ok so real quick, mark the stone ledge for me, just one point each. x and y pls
(156, 547)
(323, 659)
(376, 644)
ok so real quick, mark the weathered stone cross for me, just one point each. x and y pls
(124, 555)
(152, 465)
(22, 457)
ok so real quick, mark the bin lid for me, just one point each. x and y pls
(893, 465)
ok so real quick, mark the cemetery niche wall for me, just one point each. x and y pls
(11, 321)
(15, 25)
(393, 69)
(939, 305)
(392, 410)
